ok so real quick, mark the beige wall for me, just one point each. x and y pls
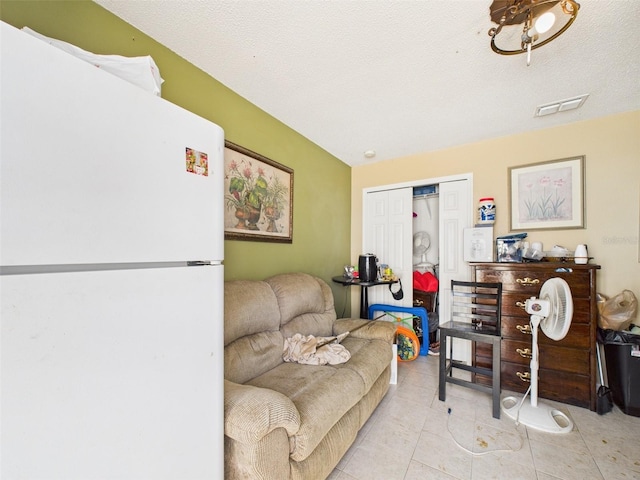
(612, 169)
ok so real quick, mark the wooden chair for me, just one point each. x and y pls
(475, 316)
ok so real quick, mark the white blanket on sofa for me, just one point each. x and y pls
(311, 350)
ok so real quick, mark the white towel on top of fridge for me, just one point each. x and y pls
(140, 71)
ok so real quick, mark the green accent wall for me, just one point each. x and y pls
(322, 183)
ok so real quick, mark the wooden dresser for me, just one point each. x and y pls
(568, 369)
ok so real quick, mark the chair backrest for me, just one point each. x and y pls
(478, 303)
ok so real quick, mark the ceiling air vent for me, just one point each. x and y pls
(561, 106)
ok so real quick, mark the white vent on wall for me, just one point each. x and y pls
(561, 106)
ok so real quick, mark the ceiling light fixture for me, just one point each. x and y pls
(542, 21)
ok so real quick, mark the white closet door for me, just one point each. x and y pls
(388, 230)
(455, 216)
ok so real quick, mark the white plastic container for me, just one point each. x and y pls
(486, 211)
(581, 256)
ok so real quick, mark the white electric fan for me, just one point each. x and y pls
(421, 245)
(552, 313)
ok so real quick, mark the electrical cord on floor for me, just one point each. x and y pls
(479, 454)
(520, 405)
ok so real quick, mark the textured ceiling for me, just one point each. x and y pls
(397, 77)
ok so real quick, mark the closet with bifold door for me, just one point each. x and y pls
(416, 229)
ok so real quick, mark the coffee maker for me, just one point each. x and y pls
(368, 267)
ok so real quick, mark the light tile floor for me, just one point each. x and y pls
(410, 436)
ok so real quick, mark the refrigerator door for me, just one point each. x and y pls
(96, 170)
(113, 374)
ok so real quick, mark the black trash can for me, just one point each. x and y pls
(622, 353)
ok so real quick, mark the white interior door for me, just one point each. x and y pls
(456, 214)
(387, 233)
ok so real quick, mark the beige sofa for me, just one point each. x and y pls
(288, 420)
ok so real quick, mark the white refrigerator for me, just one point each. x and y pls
(111, 276)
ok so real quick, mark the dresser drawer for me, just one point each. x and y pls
(513, 304)
(518, 328)
(425, 299)
(552, 357)
(530, 281)
(552, 384)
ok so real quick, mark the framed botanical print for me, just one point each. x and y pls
(258, 197)
(547, 195)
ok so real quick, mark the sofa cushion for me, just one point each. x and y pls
(368, 360)
(322, 395)
(249, 307)
(250, 356)
(252, 338)
(306, 304)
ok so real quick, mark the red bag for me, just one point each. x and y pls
(427, 281)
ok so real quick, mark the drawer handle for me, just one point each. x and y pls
(524, 353)
(524, 329)
(418, 303)
(526, 281)
(525, 377)
(521, 305)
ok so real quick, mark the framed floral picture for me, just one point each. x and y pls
(547, 195)
(258, 197)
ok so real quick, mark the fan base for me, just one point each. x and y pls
(543, 417)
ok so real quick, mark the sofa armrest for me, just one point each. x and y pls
(381, 330)
(251, 412)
